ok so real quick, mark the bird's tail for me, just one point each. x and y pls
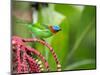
(18, 21)
(28, 25)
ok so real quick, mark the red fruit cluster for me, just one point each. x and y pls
(23, 62)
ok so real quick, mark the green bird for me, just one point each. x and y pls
(43, 31)
(40, 30)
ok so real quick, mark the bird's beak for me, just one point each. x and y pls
(60, 29)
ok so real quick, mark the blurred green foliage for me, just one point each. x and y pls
(75, 44)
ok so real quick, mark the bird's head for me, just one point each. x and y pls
(55, 28)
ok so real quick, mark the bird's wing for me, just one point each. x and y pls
(41, 33)
(40, 26)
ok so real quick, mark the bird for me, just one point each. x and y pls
(42, 30)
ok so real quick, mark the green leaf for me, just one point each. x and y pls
(77, 64)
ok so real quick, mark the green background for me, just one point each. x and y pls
(75, 44)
